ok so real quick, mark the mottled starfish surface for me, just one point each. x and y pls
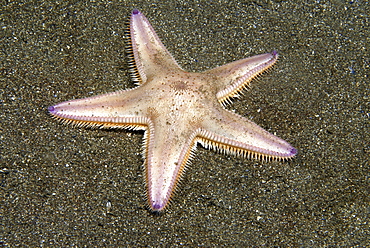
(177, 109)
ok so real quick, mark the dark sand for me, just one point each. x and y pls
(57, 181)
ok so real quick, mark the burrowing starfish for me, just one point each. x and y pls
(177, 109)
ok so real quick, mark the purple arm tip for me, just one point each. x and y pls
(274, 53)
(135, 12)
(294, 151)
(51, 109)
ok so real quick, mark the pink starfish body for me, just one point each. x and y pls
(177, 109)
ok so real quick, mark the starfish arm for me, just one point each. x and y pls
(232, 133)
(150, 56)
(121, 109)
(167, 154)
(233, 77)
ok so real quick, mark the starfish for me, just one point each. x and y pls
(177, 110)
